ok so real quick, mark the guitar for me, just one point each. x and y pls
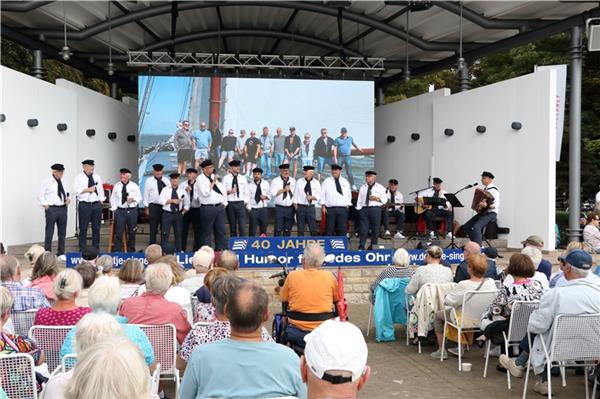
(393, 204)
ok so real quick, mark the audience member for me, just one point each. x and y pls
(269, 369)
(25, 298)
(43, 274)
(104, 264)
(175, 293)
(88, 273)
(105, 297)
(400, 269)
(227, 260)
(64, 311)
(334, 364)
(543, 266)
(591, 234)
(462, 271)
(152, 307)
(432, 273)
(535, 255)
(205, 312)
(121, 376)
(131, 277)
(152, 253)
(202, 261)
(558, 279)
(90, 254)
(32, 254)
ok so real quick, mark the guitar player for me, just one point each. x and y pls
(395, 208)
(487, 212)
(432, 212)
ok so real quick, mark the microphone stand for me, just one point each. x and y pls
(452, 241)
(415, 234)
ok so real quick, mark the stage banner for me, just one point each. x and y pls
(74, 258)
(285, 243)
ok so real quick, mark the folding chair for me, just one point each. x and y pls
(163, 339)
(17, 376)
(410, 300)
(574, 338)
(68, 362)
(22, 321)
(155, 380)
(517, 329)
(473, 306)
(50, 339)
(194, 301)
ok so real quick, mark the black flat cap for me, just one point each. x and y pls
(487, 174)
(235, 162)
(124, 170)
(191, 170)
(335, 167)
(158, 167)
(58, 166)
(393, 181)
(174, 175)
(308, 167)
(205, 163)
(257, 170)
(284, 166)
(88, 162)
(370, 173)
(437, 180)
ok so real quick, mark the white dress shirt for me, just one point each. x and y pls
(206, 194)
(49, 192)
(81, 182)
(195, 201)
(133, 191)
(496, 195)
(300, 195)
(151, 193)
(251, 190)
(276, 185)
(331, 197)
(242, 185)
(377, 190)
(165, 195)
(430, 192)
(398, 198)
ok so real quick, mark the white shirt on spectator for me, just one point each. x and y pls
(428, 274)
(591, 235)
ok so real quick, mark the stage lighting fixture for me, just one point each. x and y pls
(112, 135)
(61, 127)
(480, 129)
(516, 125)
(65, 53)
(415, 136)
(2, 117)
(391, 139)
(448, 132)
(90, 132)
(32, 122)
(131, 138)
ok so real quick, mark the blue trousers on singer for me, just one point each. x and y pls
(474, 227)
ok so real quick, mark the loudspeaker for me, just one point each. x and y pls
(448, 132)
(131, 138)
(112, 135)
(61, 127)
(516, 125)
(480, 129)
(593, 34)
(90, 132)
(2, 117)
(391, 139)
(32, 122)
(415, 136)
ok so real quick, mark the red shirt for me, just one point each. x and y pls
(51, 317)
(154, 309)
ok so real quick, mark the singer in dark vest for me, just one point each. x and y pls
(175, 202)
(124, 201)
(54, 198)
(90, 195)
(152, 189)
(191, 217)
(307, 194)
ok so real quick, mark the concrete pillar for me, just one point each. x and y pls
(37, 69)
(380, 98)
(574, 230)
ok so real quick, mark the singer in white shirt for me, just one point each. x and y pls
(488, 213)
(307, 194)
(54, 197)
(258, 200)
(213, 198)
(152, 189)
(124, 201)
(435, 211)
(336, 198)
(395, 208)
(371, 198)
(176, 202)
(90, 195)
(282, 190)
(192, 216)
(236, 185)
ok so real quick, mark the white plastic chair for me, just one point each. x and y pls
(50, 339)
(22, 321)
(163, 339)
(517, 329)
(473, 306)
(155, 380)
(574, 338)
(17, 376)
(68, 362)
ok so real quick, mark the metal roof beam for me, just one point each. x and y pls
(22, 6)
(222, 27)
(285, 28)
(488, 23)
(125, 11)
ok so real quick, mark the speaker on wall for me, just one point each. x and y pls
(415, 136)
(391, 139)
(2, 117)
(90, 132)
(61, 127)
(32, 122)
(131, 138)
(480, 129)
(448, 132)
(516, 125)
(112, 135)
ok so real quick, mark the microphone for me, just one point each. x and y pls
(280, 274)
(470, 185)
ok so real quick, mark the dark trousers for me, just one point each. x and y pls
(212, 219)
(474, 227)
(125, 218)
(191, 217)
(169, 219)
(306, 216)
(432, 214)
(56, 215)
(155, 217)
(258, 218)
(89, 213)
(370, 219)
(236, 216)
(385, 216)
(335, 220)
(284, 220)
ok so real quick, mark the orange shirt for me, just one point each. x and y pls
(309, 291)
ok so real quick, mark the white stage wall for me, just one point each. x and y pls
(27, 153)
(523, 161)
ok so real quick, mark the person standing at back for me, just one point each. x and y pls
(90, 195)
(323, 151)
(278, 147)
(266, 146)
(54, 198)
(202, 143)
(152, 189)
(342, 153)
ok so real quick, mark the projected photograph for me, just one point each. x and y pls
(260, 122)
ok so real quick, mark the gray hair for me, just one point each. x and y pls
(6, 300)
(534, 254)
(8, 267)
(246, 307)
(158, 278)
(401, 257)
(67, 284)
(105, 295)
(314, 256)
(579, 273)
(94, 327)
(221, 289)
(435, 252)
(228, 260)
(106, 263)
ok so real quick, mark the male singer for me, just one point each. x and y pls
(235, 183)
(213, 199)
(282, 189)
(489, 211)
(336, 198)
(306, 195)
(192, 216)
(258, 200)
(371, 198)
(90, 194)
(395, 208)
(175, 202)
(152, 189)
(54, 198)
(124, 201)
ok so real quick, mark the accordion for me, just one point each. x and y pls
(479, 196)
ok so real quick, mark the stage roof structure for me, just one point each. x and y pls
(426, 33)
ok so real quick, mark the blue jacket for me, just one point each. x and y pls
(389, 307)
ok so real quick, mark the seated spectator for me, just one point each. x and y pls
(334, 364)
(211, 252)
(153, 252)
(122, 374)
(535, 255)
(175, 293)
(310, 293)
(492, 256)
(477, 268)
(543, 266)
(105, 297)
(152, 308)
(432, 273)
(201, 334)
(202, 261)
(88, 273)
(400, 269)
(90, 254)
(557, 279)
(25, 298)
(269, 369)
(227, 260)
(131, 277)
(32, 254)
(578, 296)
(462, 271)
(44, 273)
(91, 328)
(64, 311)
(104, 265)
(205, 312)
(591, 234)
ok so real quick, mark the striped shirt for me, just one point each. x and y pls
(25, 298)
(389, 272)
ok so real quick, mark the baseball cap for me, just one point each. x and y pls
(534, 240)
(336, 345)
(491, 252)
(578, 258)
